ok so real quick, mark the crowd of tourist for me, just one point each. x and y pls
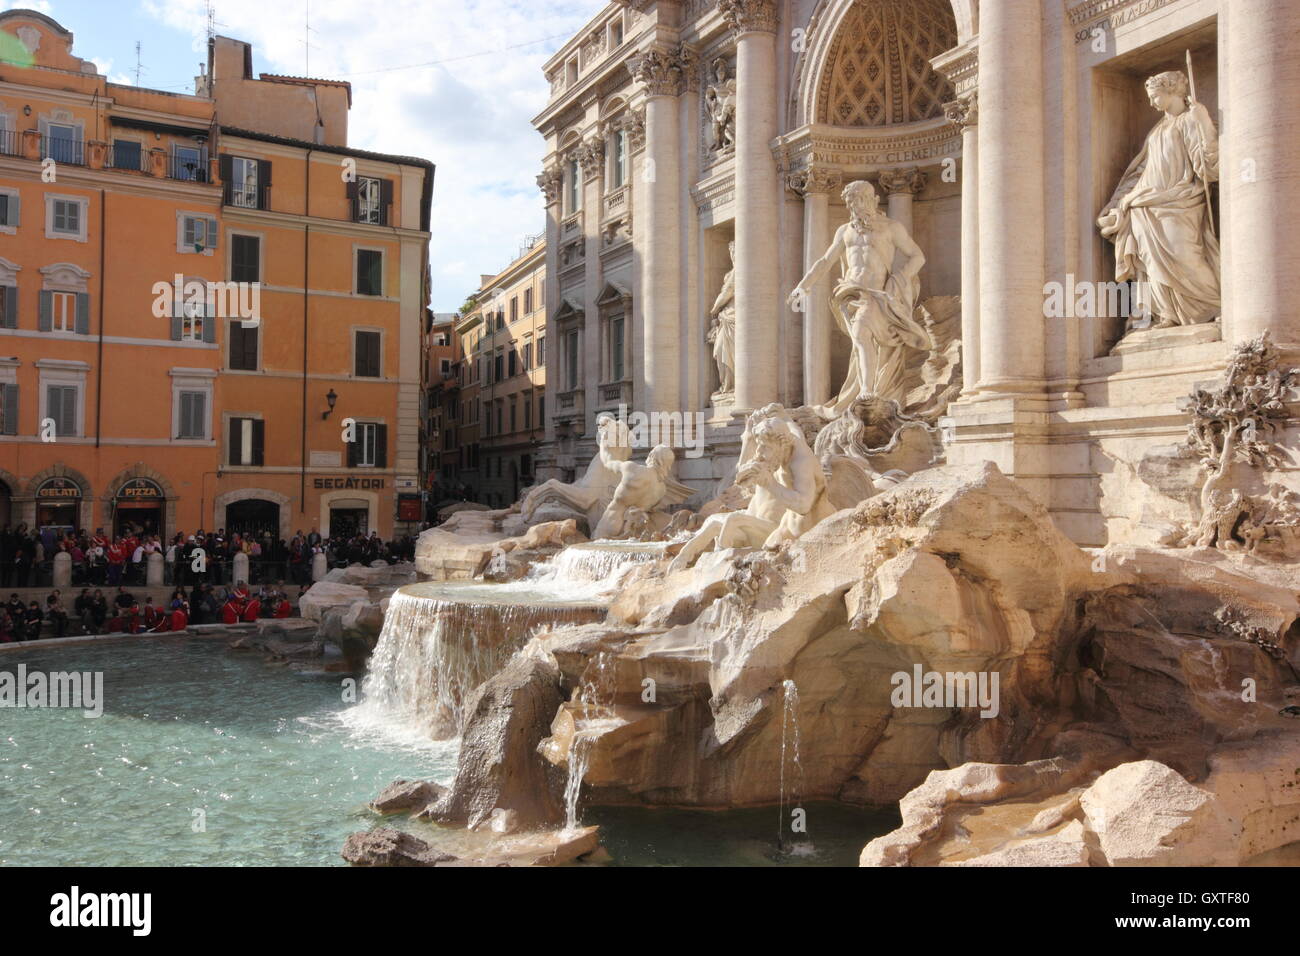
(101, 560)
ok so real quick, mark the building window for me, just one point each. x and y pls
(245, 258)
(514, 416)
(65, 218)
(618, 159)
(127, 154)
(541, 351)
(63, 144)
(193, 319)
(243, 346)
(61, 311)
(528, 413)
(571, 359)
(616, 350)
(513, 364)
(370, 272)
(370, 448)
(574, 182)
(371, 199)
(192, 421)
(514, 308)
(197, 233)
(243, 182)
(246, 440)
(526, 360)
(61, 405)
(367, 354)
(500, 410)
(497, 367)
(10, 203)
(528, 301)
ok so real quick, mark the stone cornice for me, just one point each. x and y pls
(749, 16)
(960, 66)
(858, 150)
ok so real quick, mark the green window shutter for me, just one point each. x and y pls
(11, 410)
(46, 321)
(213, 233)
(83, 313)
(263, 184)
(381, 446)
(385, 200)
(210, 321)
(354, 447)
(9, 306)
(178, 312)
(235, 431)
(224, 166)
(354, 199)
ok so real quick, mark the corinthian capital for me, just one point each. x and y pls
(591, 155)
(660, 70)
(814, 179)
(964, 110)
(910, 180)
(551, 181)
(749, 16)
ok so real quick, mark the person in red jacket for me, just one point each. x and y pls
(116, 562)
(232, 610)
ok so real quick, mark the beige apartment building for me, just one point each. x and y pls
(503, 390)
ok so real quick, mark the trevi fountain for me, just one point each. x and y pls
(967, 546)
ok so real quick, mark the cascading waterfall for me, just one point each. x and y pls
(790, 739)
(592, 716)
(441, 640)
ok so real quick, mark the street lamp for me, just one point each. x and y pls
(331, 398)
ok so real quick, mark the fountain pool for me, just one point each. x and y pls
(281, 772)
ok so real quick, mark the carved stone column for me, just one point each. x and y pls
(660, 72)
(964, 111)
(901, 185)
(1259, 70)
(551, 182)
(1011, 202)
(591, 160)
(758, 191)
(816, 185)
(695, 358)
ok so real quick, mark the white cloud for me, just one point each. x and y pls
(470, 115)
(40, 6)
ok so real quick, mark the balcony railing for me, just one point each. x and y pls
(125, 157)
(11, 142)
(248, 197)
(188, 169)
(69, 152)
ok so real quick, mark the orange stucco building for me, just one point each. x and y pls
(121, 400)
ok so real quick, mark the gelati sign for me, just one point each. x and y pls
(58, 488)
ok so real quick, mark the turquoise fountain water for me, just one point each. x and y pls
(189, 726)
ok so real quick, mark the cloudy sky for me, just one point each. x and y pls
(454, 81)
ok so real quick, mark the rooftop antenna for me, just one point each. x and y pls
(212, 20)
(138, 67)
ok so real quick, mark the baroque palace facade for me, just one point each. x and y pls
(115, 413)
(683, 133)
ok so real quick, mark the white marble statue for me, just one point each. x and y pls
(643, 487)
(1159, 216)
(720, 101)
(786, 485)
(874, 302)
(590, 494)
(722, 334)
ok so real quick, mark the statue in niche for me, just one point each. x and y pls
(720, 102)
(587, 497)
(722, 334)
(786, 486)
(874, 303)
(1159, 216)
(642, 490)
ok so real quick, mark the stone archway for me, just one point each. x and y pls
(248, 494)
(27, 503)
(141, 470)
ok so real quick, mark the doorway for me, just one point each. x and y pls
(253, 518)
(348, 522)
